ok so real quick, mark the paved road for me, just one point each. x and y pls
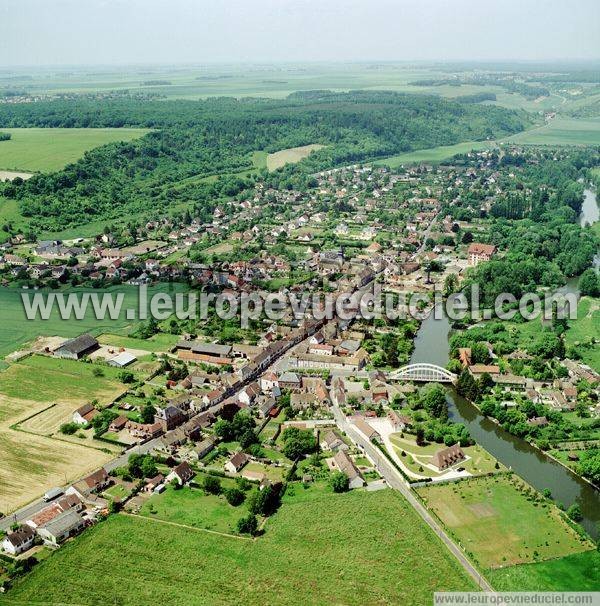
(22, 514)
(396, 481)
(425, 236)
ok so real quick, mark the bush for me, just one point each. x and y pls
(339, 482)
(69, 428)
(247, 525)
(126, 376)
(211, 485)
(234, 496)
(574, 512)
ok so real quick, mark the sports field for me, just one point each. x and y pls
(290, 156)
(49, 149)
(356, 548)
(480, 514)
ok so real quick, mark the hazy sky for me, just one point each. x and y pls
(48, 32)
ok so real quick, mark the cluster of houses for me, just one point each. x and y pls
(68, 513)
(558, 394)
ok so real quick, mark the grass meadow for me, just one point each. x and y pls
(16, 329)
(356, 548)
(50, 149)
(480, 514)
(584, 330)
(193, 507)
(561, 131)
(45, 379)
(434, 155)
(577, 572)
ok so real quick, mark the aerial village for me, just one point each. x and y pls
(210, 405)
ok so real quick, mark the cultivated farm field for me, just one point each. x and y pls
(46, 379)
(480, 514)
(49, 149)
(290, 156)
(561, 131)
(37, 395)
(353, 548)
(16, 329)
(434, 155)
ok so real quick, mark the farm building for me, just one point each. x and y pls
(61, 527)
(76, 348)
(123, 359)
(84, 414)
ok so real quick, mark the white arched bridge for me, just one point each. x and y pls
(423, 372)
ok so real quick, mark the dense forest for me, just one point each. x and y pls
(195, 139)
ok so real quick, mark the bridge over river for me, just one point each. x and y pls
(423, 372)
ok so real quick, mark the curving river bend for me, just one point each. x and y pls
(431, 345)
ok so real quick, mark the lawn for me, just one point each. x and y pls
(356, 548)
(290, 156)
(192, 507)
(16, 329)
(50, 149)
(577, 572)
(561, 131)
(498, 524)
(417, 458)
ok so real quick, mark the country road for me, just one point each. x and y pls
(397, 482)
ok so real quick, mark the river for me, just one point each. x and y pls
(431, 345)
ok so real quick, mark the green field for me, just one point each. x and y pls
(192, 507)
(578, 572)
(45, 379)
(16, 329)
(561, 131)
(160, 342)
(49, 149)
(481, 514)
(434, 155)
(357, 548)
(584, 332)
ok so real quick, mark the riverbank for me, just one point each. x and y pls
(527, 461)
(544, 453)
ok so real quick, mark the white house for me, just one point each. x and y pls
(18, 541)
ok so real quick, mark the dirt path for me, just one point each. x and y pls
(159, 521)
